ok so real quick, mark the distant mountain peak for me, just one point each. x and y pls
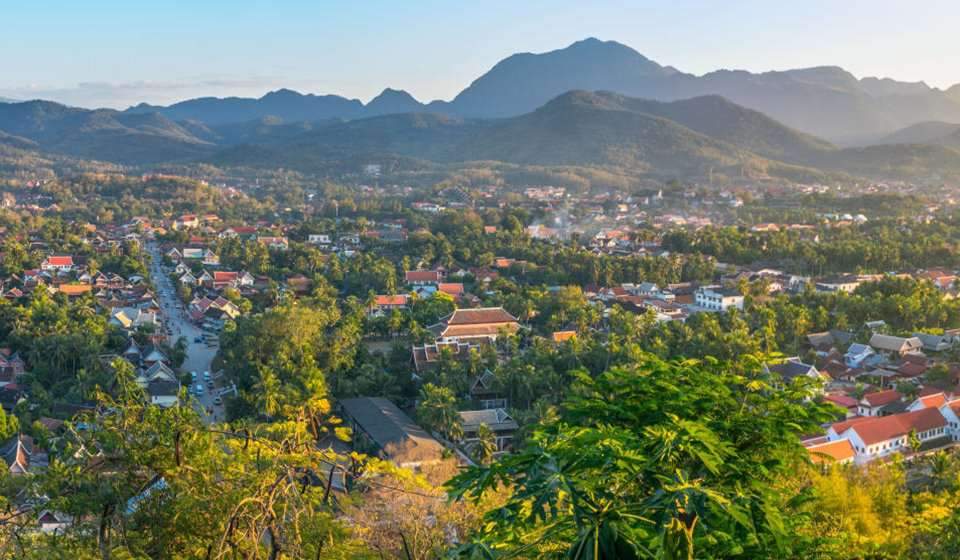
(393, 101)
(282, 93)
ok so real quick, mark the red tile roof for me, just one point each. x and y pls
(881, 398)
(933, 401)
(422, 276)
(400, 299)
(876, 429)
(842, 401)
(60, 261)
(453, 288)
(479, 316)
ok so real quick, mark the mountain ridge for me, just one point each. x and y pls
(825, 101)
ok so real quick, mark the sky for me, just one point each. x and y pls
(112, 53)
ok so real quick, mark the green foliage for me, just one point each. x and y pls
(642, 465)
(437, 410)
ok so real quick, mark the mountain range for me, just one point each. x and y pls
(593, 103)
(826, 101)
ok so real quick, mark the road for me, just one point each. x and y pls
(199, 354)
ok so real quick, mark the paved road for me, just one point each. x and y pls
(199, 355)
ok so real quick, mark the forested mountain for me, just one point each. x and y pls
(686, 138)
(933, 132)
(683, 138)
(100, 134)
(825, 101)
(577, 128)
(284, 104)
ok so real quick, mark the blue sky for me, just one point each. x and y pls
(115, 53)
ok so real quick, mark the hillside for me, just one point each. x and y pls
(578, 128)
(895, 161)
(284, 104)
(100, 134)
(717, 117)
(935, 132)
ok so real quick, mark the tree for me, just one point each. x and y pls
(486, 445)
(437, 410)
(9, 425)
(155, 482)
(639, 467)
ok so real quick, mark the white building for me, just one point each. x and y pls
(716, 298)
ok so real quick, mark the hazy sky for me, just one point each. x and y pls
(116, 53)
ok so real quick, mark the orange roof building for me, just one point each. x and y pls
(840, 451)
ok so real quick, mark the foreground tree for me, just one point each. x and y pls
(147, 482)
(655, 460)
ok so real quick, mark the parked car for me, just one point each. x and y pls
(217, 401)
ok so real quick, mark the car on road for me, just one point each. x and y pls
(210, 384)
(198, 340)
(199, 389)
(217, 401)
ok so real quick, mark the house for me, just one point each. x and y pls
(380, 428)
(160, 383)
(453, 289)
(794, 368)
(848, 403)
(877, 437)
(484, 391)
(423, 277)
(22, 456)
(57, 264)
(186, 221)
(51, 521)
(942, 279)
(497, 419)
(74, 290)
(716, 298)
(825, 341)
(881, 403)
(935, 400)
(205, 256)
(276, 243)
(384, 304)
(857, 354)
(937, 342)
(840, 451)
(846, 284)
(319, 239)
(129, 318)
(428, 356)
(225, 279)
(238, 231)
(895, 346)
(475, 324)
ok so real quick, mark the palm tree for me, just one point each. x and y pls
(267, 390)
(438, 411)
(486, 445)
